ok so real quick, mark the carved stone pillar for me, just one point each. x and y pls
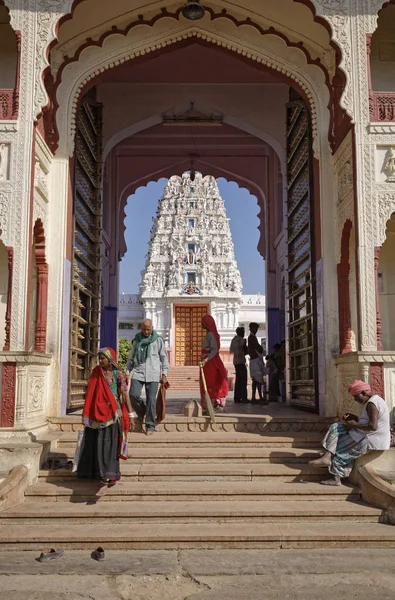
(40, 340)
(22, 395)
(9, 299)
(365, 372)
(378, 313)
(8, 387)
(377, 378)
(343, 282)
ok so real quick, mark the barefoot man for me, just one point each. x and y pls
(354, 436)
(147, 359)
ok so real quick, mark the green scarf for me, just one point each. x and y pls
(143, 347)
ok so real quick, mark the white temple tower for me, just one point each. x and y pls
(191, 268)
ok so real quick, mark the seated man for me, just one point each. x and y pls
(353, 437)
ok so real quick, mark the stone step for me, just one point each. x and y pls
(185, 512)
(227, 423)
(212, 439)
(204, 472)
(161, 491)
(198, 535)
(170, 455)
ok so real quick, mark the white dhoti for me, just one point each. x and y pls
(257, 369)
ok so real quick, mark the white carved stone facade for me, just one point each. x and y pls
(131, 314)
(191, 257)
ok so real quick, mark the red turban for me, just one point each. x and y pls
(358, 387)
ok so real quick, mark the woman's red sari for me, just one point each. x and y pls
(101, 407)
(214, 371)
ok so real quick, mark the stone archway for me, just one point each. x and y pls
(268, 51)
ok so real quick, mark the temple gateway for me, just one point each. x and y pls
(294, 100)
(191, 269)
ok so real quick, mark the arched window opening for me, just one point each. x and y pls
(386, 286)
(9, 67)
(381, 48)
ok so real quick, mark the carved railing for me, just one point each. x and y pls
(8, 104)
(382, 106)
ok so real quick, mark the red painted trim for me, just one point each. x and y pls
(377, 378)
(30, 242)
(376, 285)
(338, 115)
(343, 285)
(40, 339)
(8, 382)
(15, 103)
(8, 313)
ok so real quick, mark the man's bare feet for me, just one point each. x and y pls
(333, 481)
(323, 461)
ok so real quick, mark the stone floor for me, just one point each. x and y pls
(330, 574)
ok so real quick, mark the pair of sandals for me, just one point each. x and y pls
(97, 554)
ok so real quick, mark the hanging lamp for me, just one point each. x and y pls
(193, 11)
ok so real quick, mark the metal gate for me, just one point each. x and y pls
(302, 322)
(85, 284)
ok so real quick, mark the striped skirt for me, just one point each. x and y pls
(344, 449)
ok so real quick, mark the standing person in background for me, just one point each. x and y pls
(147, 359)
(107, 416)
(214, 370)
(238, 347)
(257, 367)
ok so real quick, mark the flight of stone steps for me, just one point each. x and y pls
(187, 378)
(197, 489)
(184, 378)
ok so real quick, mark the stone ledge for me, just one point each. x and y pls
(12, 489)
(26, 358)
(227, 424)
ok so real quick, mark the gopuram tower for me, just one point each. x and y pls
(191, 268)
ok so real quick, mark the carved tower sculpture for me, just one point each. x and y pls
(191, 268)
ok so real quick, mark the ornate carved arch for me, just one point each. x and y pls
(291, 63)
(58, 12)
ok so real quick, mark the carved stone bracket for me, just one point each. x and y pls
(48, 14)
(385, 208)
(337, 13)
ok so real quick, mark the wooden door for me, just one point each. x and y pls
(189, 334)
(302, 322)
(85, 285)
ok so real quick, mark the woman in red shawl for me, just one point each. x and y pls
(214, 371)
(107, 416)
